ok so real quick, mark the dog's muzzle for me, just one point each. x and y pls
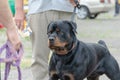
(51, 40)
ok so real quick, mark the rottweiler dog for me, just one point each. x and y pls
(73, 59)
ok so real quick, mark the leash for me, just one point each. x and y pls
(11, 59)
(73, 14)
(74, 10)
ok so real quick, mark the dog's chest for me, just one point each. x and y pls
(65, 65)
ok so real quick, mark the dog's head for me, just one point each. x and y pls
(61, 35)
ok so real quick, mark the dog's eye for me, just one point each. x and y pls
(49, 32)
(58, 32)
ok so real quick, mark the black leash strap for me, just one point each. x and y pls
(73, 14)
(74, 11)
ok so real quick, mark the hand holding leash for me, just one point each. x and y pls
(12, 59)
(74, 2)
(77, 3)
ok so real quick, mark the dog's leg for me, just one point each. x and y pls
(116, 77)
(111, 68)
(93, 78)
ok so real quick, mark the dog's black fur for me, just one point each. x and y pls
(75, 60)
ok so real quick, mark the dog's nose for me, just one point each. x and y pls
(51, 39)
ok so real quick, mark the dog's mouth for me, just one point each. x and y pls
(59, 50)
(58, 46)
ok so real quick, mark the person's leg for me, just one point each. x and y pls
(116, 8)
(39, 67)
(38, 24)
(117, 11)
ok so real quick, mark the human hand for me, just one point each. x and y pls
(19, 18)
(73, 2)
(14, 39)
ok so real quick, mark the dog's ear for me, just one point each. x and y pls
(49, 26)
(73, 26)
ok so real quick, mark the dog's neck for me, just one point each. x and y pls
(65, 59)
(66, 49)
(70, 47)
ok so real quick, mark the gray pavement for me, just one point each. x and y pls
(104, 27)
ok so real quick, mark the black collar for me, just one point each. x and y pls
(66, 49)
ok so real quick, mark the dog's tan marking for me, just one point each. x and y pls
(71, 76)
(59, 43)
(52, 73)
